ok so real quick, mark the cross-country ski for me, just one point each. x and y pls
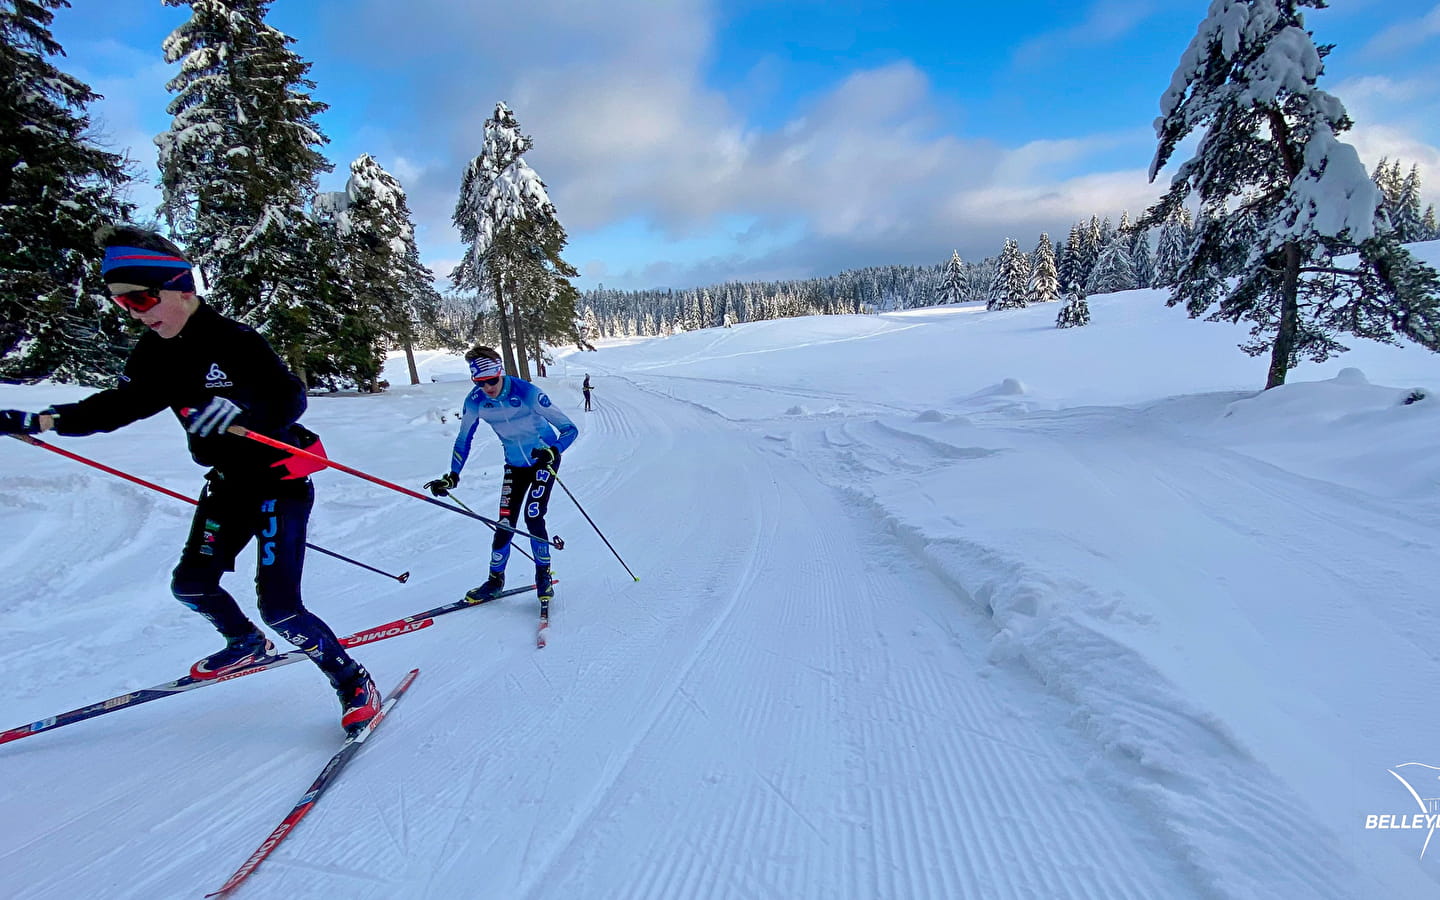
(317, 788)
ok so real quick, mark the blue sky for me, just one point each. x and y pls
(688, 142)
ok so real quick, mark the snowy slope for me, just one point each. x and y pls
(932, 604)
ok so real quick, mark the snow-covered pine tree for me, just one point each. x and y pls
(239, 163)
(1407, 219)
(1076, 311)
(1140, 259)
(1011, 283)
(1430, 225)
(1173, 249)
(391, 288)
(1087, 249)
(1284, 194)
(1044, 280)
(57, 188)
(1114, 270)
(1068, 259)
(980, 281)
(952, 287)
(513, 242)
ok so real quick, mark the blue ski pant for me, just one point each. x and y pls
(525, 488)
(275, 514)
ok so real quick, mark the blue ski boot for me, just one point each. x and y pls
(487, 591)
(239, 652)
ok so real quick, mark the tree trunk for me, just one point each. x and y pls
(1288, 331)
(520, 344)
(505, 350)
(410, 360)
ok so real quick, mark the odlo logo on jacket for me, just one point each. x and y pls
(216, 377)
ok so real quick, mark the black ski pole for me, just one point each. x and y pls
(591, 521)
(451, 495)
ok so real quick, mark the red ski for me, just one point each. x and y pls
(326, 777)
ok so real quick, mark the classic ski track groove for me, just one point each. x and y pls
(1250, 799)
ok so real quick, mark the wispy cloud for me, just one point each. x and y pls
(1403, 37)
(1105, 22)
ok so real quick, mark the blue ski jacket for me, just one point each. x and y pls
(523, 418)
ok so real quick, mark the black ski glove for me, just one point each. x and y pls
(545, 457)
(14, 421)
(441, 486)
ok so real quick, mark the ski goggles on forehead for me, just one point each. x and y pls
(140, 299)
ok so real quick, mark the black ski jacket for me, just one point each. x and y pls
(211, 356)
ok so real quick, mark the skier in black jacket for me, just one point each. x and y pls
(212, 372)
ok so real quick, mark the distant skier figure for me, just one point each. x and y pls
(533, 434)
(586, 388)
(213, 372)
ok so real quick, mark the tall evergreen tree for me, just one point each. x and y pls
(1113, 271)
(952, 288)
(1012, 278)
(239, 165)
(513, 241)
(1430, 225)
(1285, 195)
(1044, 280)
(1173, 249)
(1140, 259)
(1408, 220)
(57, 188)
(1089, 243)
(389, 283)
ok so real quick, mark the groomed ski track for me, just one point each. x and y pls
(797, 700)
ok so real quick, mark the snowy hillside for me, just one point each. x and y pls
(932, 604)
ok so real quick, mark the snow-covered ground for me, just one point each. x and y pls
(931, 604)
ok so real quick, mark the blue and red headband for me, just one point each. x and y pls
(484, 367)
(138, 267)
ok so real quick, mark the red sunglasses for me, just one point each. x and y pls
(486, 382)
(139, 301)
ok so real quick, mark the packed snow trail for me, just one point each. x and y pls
(941, 640)
(783, 706)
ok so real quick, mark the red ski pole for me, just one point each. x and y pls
(240, 431)
(36, 442)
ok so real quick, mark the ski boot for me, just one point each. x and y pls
(487, 591)
(359, 700)
(544, 584)
(239, 652)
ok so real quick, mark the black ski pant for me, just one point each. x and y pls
(524, 488)
(276, 514)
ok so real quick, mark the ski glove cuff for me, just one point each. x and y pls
(14, 421)
(217, 416)
(441, 486)
(545, 457)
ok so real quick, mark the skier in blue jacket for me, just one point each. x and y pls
(533, 433)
